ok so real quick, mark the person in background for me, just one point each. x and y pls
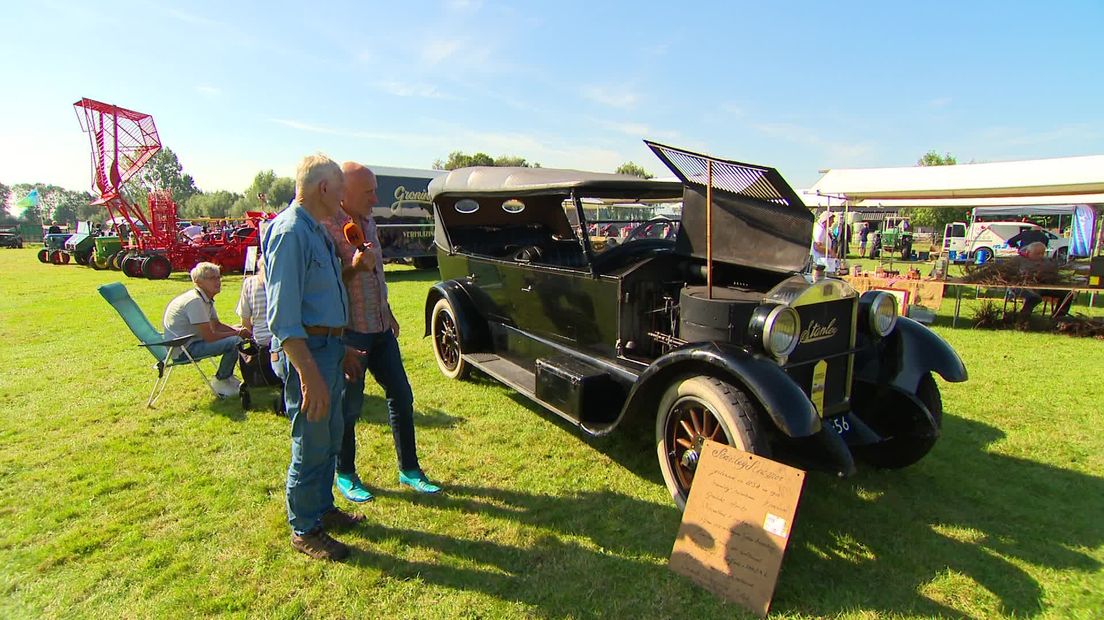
(1026, 237)
(822, 238)
(371, 341)
(864, 232)
(193, 313)
(1034, 254)
(307, 312)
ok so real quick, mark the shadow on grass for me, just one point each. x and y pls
(893, 542)
(963, 515)
(597, 576)
(375, 412)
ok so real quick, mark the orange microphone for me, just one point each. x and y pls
(355, 236)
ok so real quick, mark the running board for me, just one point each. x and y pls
(516, 377)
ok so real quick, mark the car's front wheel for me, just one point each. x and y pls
(693, 410)
(908, 436)
(446, 341)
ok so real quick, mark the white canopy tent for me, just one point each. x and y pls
(1065, 176)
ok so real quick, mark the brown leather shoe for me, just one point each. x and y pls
(320, 545)
(336, 519)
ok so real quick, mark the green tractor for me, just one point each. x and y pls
(106, 253)
(897, 237)
(81, 244)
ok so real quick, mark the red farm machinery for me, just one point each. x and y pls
(151, 245)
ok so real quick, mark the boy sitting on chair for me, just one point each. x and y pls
(193, 313)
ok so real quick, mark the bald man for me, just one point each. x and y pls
(371, 342)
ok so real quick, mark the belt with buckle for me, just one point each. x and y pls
(321, 330)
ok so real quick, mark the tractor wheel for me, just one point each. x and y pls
(64, 257)
(132, 266)
(81, 257)
(95, 263)
(693, 410)
(44, 255)
(113, 261)
(156, 267)
(55, 257)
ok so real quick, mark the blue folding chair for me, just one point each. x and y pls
(167, 352)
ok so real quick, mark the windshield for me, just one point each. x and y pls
(611, 224)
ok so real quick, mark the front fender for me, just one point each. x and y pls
(903, 357)
(473, 330)
(783, 401)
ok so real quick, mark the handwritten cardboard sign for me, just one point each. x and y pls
(736, 525)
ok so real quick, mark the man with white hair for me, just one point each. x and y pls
(193, 314)
(307, 313)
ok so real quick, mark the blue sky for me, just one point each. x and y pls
(237, 87)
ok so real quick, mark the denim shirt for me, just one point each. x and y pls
(303, 276)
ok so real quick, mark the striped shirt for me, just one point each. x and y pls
(253, 305)
(368, 307)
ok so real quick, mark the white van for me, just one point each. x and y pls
(982, 241)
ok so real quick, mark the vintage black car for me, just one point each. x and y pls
(10, 238)
(715, 334)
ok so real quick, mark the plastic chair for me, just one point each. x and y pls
(159, 347)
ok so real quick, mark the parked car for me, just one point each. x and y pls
(10, 238)
(724, 338)
(982, 241)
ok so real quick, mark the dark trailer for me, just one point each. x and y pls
(717, 333)
(404, 215)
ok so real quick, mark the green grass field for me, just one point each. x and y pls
(109, 509)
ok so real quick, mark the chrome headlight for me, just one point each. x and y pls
(883, 313)
(778, 328)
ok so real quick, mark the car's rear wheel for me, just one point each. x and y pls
(693, 410)
(910, 438)
(446, 341)
(982, 255)
(44, 255)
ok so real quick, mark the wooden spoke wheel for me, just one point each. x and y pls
(696, 409)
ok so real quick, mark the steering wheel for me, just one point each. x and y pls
(641, 231)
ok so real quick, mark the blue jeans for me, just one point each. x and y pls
(381, 357)
(314, 445)
(226, 347)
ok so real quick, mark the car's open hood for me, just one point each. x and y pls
(758, 220)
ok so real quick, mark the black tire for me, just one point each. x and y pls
(906, 445)
(985, 253)
(698, 408)
(44, 255)
(113, 261)
(1062, 255)
(132, 266)
(156, 267)
(96, 264)
(447, 349)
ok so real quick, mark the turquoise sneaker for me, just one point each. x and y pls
(352, 488)
(415, 479)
